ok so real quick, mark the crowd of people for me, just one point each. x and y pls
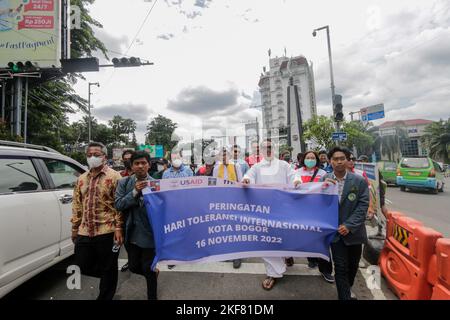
(109, 211)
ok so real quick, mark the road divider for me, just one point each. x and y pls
(415, 260)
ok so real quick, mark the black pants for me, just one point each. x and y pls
(95, 258)
(346, 263)
(324, 265)
(140, 262)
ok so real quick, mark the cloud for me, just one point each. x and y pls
(202, 100)
(404, 68)
(191, 9)
(137, 112)
(115, 45)
(166, 36)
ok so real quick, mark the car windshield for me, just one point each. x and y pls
(417, 163)
(390, 166)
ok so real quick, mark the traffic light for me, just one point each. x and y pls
(338, 113)
(20, 67)
(126, 62)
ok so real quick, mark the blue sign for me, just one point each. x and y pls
(159, 151)
(339, 136)
(196, 223)
(373, 116)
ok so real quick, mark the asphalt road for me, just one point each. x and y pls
(216, 281)
(432, 210)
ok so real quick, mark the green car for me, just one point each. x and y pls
(420, 173)
(389, 171)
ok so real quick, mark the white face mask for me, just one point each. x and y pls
(177, 163)
(94, 162)
(160, 167)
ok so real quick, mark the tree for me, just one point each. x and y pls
(359, 137)
(390, 145)
(437, 140)
(160, 131)
(319, 130)
(50, 102)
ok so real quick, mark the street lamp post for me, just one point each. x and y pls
(331, 61)
(89, 107)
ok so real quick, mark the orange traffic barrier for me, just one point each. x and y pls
(439, 271)
(405, 258)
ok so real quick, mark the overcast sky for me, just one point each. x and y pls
(208, 56)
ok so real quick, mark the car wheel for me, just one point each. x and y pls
(402, 188)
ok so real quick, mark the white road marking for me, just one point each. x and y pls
(227, 267)
(388, 201)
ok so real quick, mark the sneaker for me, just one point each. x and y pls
(170, 267)
(328, 277)
(124, 267)
(312, 264)
(237, 263)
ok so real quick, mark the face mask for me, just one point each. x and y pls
(287, 159)
(177, 163)
(160, 167)
(310, 163)
(94, 162)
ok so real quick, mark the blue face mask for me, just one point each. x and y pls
(310, 163)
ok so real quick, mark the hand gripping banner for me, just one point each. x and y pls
(203, 219)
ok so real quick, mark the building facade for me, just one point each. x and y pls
(414, 128)
(273, 86)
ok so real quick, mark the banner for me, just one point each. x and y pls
(30, 31)
(201, 219)
(371, 169)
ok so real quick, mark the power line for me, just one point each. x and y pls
(131, 44)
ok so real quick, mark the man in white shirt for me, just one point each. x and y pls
(226, 169)
(270, 171)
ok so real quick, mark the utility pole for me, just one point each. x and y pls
(89, 109)
(17, 126)
(327, 28)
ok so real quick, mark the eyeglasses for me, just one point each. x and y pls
(353, 159)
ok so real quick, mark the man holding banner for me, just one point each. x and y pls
(271, 171)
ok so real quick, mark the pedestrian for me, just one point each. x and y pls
(310, 172)
(324, 162)
(208, 168)
(126, 156)
(178, 169)
(255, 157)
(352, 169)
(271, 171)
(139, 240)
(300, 156)
(227, 170)
(161, 166)
(97, 227)
(346, 247)
(238, 160)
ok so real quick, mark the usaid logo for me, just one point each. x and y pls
(191, 182)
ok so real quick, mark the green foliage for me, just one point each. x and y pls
(160, 131)
(319, 129)
(358, 136)
(437, 140)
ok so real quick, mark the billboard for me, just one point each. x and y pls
(155, 151)
(30, 30)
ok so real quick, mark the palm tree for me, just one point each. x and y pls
(390, 145)
(437, 140)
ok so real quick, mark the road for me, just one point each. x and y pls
(433, 210)
(214, 281)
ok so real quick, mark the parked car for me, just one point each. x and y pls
(389, 171)
(36, 188)
(420, 173)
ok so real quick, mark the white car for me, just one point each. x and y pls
(36, 189)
